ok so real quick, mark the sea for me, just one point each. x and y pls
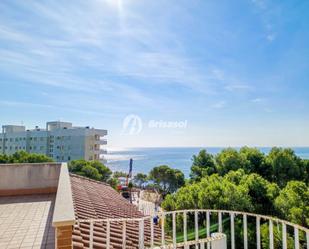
(144, 159)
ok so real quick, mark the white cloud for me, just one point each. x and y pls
(219, 105)
(257, 100)
(237, 87)
(271, 37)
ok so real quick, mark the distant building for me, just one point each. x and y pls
(60, 141)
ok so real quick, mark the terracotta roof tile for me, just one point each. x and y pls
(93, 199)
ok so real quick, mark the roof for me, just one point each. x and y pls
(94, 199)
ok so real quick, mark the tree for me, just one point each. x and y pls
(92, 169)
(285, 165)
(25, 157)
(230, 159)
(203, 165)
(256, 162)
(118, 174)
(261, 192)
(140, 179)
(212, 192)
(167, 180)
(102, 169)
(293, 202)
(91, 172)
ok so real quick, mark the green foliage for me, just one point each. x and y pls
(140, 179)
(166, 179)
(262, 193)
(230, 159)
(203, 165)
(281, 165)
(24, 157)
(293, 202)
(118, 174)
(92, 169)
(256, 162)
(214, 192)
(113, 182)
(285, 166)
(104, 171)
(277, 232)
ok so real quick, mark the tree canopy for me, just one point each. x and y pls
(280, 166)
(167, 180)
(24, 157)
(140, 179)
(203, 165)
(293, 202)
(92, 169)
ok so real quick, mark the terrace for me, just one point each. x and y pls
(43, 206)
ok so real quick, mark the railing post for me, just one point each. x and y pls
(162, 229)
(196, 227)
(245, 231)
(271, 235)
(151, 232)
(284, 241)
(141, 234)
(258, 232)
(296, 238)
(232, 231)
(91, 235)
(185, 237)
(208, 227)
(108, 234)
(220, 222)
(124, 228)
(174, 229)
(307, 239)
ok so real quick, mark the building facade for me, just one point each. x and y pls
(59, 140)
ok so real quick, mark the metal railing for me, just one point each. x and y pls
(168, 239)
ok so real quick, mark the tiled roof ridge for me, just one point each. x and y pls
(89, 179)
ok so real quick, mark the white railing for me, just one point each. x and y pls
(162, 239)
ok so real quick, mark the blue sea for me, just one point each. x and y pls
(144, 159)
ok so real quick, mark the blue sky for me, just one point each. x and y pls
(236, 71)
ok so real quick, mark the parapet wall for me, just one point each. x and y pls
(34, 178)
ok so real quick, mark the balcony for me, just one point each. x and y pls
(103, 141)
(148, 236)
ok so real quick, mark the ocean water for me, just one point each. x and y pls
(144, 159)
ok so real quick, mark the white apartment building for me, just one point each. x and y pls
(59, 140)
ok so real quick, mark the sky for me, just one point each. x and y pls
(223, 73)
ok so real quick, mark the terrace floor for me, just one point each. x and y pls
(26, 221)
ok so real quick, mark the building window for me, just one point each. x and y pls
(34, 139)
(69, 158)
(42, 148)
(16, 139)
(11, 139)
